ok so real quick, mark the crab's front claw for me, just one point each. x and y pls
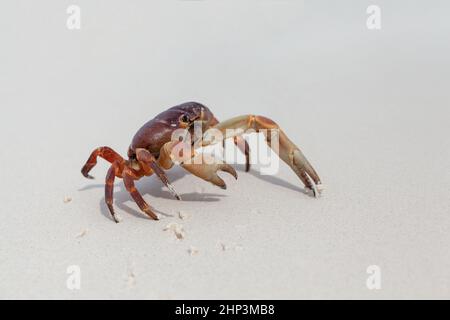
(208, 171)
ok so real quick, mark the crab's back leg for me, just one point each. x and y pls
(287, 150)
(109, 187)
(104, 152)
(242, 145)
(128, 179)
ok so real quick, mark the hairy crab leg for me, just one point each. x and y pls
(104, 152)
(146, 160)
(128, 180)
(288, 151)
(206, 170)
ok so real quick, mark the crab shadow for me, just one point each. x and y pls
(155, 189)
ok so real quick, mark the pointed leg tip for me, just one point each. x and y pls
(173, 192)
(151, 214)
(87, 176)
(115, 219)
(316, 191)
(113, 213)
(85, 172)
(247, 165)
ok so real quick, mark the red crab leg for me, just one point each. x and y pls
(109, 188)
(104, 152)
(147, 160)
(128, 180)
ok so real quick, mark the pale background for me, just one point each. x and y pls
(368, 108)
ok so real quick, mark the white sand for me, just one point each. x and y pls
(370, 109)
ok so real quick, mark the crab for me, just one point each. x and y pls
(153, 147)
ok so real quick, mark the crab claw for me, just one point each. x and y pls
(208, 172)
(215, 179)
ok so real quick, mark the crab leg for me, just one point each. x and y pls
(109, 188)
(242, 145)
(128, 179)
(288, 151)
(104, 152)
(240, 142)
(148, 162)
(195, 165)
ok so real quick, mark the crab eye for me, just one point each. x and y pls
(184, 118)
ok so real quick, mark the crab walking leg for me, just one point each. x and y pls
(196, 164)
(240, 142)
(242, 145)
(104, 152)
(109, 188)
(128, 180)
(148, 162)
(288, 151)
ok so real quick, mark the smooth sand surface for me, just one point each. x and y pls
(370, 110)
